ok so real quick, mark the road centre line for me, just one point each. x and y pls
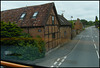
(63, 57)
(97, 54)
(95, 46)
(96, 50)
(66, 56)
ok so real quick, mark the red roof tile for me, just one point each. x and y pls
(15, 14)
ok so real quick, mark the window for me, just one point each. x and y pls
(34, 15)
(23, 15)
(52, 20)
(53, 35)
(39, 30)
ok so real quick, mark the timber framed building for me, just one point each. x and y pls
(40, 20)
(65, 29)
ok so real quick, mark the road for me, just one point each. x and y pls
(82, 51)
(86, 52)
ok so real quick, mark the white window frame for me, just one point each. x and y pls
(35, 14)
(23, 15)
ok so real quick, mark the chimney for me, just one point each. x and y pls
(78, 19)
(62, 15)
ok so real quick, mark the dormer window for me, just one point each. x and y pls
(35, 15)
(23, 15)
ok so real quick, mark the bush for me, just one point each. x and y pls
(83, 28)
(9, 30)
(21, 43)
(29, 48)
(72, 23)
(25, 35)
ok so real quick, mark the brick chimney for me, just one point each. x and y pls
(78, 19)
(62, 15)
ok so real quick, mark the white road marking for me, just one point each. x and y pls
(55, 63)
(62, 60)
(58, 59)
(59, 63)
(95, 46)
(52, 66)
(65, 57)
(97, 54)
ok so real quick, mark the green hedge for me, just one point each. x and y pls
(13, 39)
(29, 48)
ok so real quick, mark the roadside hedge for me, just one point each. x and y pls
(22, 45)
(29, 48)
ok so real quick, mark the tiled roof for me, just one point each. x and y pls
(63, 21)
(78, 21)
(15, 14)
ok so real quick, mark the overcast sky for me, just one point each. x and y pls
(78, 9)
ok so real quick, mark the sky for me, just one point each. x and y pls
(78, 9)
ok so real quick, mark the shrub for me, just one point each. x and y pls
(21, 43)
(27, 47)
(9, 30)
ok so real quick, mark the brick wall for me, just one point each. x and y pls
(49, 30)
(78, 25)
(65, 34)
(73, 32)
(35, 32)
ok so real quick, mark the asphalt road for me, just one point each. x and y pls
(82, 51)
(86, 52)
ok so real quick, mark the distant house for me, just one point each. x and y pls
(65, 29)
(78, 26)
(39, 20)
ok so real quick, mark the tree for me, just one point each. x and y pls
(9, 30)
(84, 22)
(96, 22)
(72, 23)
(91, 23)
(87, 23)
